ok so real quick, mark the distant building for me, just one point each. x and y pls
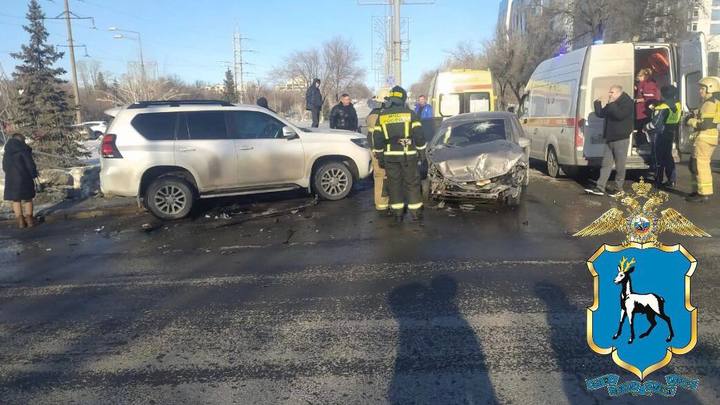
(707, 21)
(295, 84)
(218, 88)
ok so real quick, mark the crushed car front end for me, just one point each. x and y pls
(499, 187)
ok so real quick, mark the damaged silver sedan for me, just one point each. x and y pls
(479, 156)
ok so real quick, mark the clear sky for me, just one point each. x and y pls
(191, 39)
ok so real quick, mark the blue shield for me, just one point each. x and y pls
(650, 284)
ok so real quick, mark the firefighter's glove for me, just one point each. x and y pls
(692, 122)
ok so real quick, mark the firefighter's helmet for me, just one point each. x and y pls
(397, 95)
(711, 84)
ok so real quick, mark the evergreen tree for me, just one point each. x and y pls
(230, 90)
(44, 114)
(100, 83)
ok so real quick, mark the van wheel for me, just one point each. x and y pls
(551, 163)
(333, 181)
(169, 198)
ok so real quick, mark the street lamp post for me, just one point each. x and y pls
(138, 39)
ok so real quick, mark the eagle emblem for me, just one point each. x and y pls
(640, 220)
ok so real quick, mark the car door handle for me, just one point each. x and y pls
(245, 147)
(187, 149)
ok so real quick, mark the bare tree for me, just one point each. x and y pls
(7, 108)
(335, 64)
(512, 57)
(621, 20)
(422, 86)
(132, 88)
(340, 59)
(465, 56)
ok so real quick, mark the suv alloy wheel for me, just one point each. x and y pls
(333, 181)
(169, 197)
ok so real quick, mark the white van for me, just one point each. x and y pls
(557, 108)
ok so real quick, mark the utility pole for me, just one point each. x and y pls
(68, 15)
(395, 38)
(239, 63)
(396, 42)
(73, 68)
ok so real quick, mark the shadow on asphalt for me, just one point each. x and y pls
(439, 358)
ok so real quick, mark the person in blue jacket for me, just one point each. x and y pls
(423, 110)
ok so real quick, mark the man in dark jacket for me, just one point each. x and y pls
(20, 173)
(619, 124)
(314, 101)
(343, 115)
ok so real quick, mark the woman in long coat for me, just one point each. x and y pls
(20, 173)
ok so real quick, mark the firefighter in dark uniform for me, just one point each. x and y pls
(399, 144)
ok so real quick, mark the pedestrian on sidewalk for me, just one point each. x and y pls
(705, 139)
(20, 178)
(343, 115)
(314, 101)
(618, 114)
(663, 128)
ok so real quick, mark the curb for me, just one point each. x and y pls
(85, 214)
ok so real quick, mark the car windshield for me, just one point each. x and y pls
(466, 133)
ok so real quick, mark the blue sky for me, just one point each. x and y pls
(190, 39)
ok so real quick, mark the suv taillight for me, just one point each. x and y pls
(108, 149)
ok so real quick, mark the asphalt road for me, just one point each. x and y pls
(327, 304)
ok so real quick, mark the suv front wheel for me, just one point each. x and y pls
(333, 181)
(169, 198)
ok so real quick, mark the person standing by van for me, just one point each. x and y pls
(424, 112)
(663, 128)
(618, 114)
(646, 94)
(705, 140)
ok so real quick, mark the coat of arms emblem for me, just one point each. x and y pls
(642, 312)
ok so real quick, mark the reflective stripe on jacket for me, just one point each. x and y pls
(398, 133)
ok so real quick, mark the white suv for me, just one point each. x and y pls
(170, 153)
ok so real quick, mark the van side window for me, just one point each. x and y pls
(155, 126)
(692, 97)
(553, 100)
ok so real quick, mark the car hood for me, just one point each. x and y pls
(476, 162)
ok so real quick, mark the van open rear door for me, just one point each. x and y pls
(692, 66)
(607, 65)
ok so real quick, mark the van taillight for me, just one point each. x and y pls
(108, 149)
(579, 138)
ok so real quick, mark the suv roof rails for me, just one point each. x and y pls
(177, 103)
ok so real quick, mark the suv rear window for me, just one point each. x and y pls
(156, 126)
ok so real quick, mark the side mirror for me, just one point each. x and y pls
(289, 133)
(524, 142)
